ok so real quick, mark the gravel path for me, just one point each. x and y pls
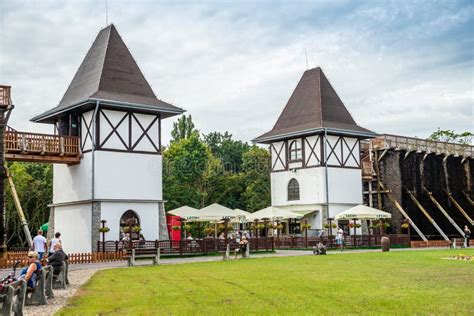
(76, 279)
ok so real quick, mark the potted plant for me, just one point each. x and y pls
(104, 229)
(279, 226)
(405, 225)
(186, 227)
(176, 227)
(126, 229)
(334, 226)
(307, 226)
(136, 229)
(327, 225)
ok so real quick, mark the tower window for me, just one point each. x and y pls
(295, 150)
(293, 190)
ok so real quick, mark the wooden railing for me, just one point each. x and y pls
(5, 98)
(422, 145)
(186, 247)
(41, 147)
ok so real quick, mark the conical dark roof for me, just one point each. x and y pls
(313, 107)
(109, 74)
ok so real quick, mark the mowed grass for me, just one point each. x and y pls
(408, 282)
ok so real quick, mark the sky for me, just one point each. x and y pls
(400, 67)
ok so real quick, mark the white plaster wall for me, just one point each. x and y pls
(345, 185)
(145, 121)
(73, 183)
(74, 224)
(147, 213)
(312, 186)
(120, 175)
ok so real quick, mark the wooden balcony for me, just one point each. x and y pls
(33, 147)
(5, 98)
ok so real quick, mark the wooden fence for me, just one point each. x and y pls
(354, 241)
(74, 258)
(186, 247)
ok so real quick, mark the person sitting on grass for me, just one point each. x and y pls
(57, 258)
(30, 273)
(319, 249)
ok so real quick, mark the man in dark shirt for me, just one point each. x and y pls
(57, 258)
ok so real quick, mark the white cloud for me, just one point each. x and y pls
(234, 68)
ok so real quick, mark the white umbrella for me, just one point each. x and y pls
(186, 212)
(363, 212)
(273, 213)
(217, 212)
(243, 213)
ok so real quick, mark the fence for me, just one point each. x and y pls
(186, 247)
(353, 241)
(74, 258)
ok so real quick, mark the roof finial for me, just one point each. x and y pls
(306, 56)
(106, 13)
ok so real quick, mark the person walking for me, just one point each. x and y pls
(56, 240)
(467, 236)
(340, 238)
(39, 244)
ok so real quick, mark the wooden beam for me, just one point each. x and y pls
(428, 216)
(438, 205)
(460, 208)
(43, 158)
(404, 213)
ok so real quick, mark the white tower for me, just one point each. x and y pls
(315, 152)
(111, 107)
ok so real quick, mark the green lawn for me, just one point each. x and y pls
(365, 283)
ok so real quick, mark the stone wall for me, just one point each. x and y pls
(96, 216)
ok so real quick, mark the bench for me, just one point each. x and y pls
(143, 253)
(43, 289)
(60, 280)
(13, 298)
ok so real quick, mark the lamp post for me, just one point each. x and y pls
(103, 234)
(330, 232)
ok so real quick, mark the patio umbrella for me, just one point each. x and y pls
(186, 212)
(273, 213)
(363, 212)
(244, 214)
(217, 212)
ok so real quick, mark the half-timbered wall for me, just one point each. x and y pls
(278, 154)
(308, 152)
(121, 131)
(86, 130)
(343, 151)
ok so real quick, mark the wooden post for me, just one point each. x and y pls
(103, 234)
(330, 232)
(355, 233)
(306, 233)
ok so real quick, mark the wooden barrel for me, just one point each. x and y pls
(385, 243)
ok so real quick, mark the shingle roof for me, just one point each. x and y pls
(109, 73)
(313, 105)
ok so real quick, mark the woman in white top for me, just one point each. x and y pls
(340, 238)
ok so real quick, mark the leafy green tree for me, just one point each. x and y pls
(256, 166)
(452, 137)
(183, 128)
(226, 149)
(34, 185)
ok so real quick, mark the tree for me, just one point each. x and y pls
(256, 166)
(183, 128)
(34, 185)
(452, 137)
(226, 149)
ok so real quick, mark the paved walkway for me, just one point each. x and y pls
(277, 253)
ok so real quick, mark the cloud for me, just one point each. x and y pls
(404, 69)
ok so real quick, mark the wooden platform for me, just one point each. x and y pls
(34, 147)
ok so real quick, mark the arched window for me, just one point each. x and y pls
(293, 190)
(129, 218)
(295, 150)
